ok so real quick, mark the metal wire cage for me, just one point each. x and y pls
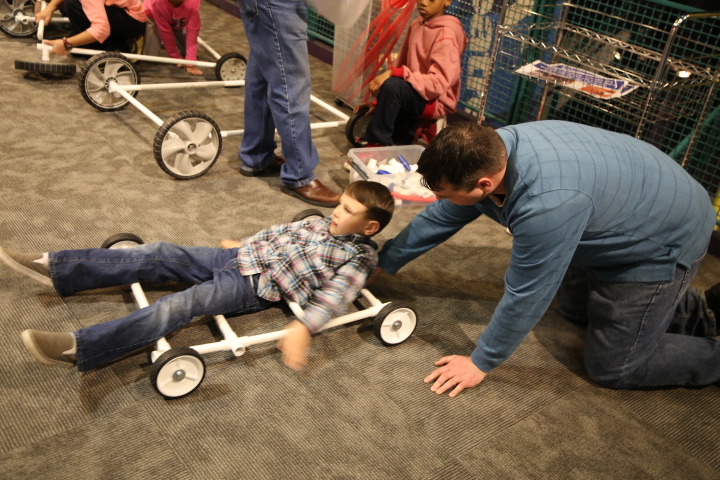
(649, 70)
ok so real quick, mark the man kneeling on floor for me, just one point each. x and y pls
(320, 264)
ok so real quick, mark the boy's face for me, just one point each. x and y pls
(430, 9)
(349, 217)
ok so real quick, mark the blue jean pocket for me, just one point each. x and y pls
(248, 8)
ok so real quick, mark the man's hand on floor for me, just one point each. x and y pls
(454, 371)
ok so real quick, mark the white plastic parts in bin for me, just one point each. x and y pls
(405, 188)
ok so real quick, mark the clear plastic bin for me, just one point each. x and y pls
(396, 182)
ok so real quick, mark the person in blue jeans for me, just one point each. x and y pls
(277, 95)
(610, 223)
(320, 264)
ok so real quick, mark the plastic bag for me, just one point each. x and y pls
(343, 13)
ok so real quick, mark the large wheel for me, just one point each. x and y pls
(122, 240)
(187, 145)
(98, 72)
(313, 213)
(177, 372)
(8, 24)
(231, 66)
(356, 126)
(394, 324)
(46, 67)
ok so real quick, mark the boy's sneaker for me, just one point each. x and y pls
(50, 348)
(27, 264)
(712, 297)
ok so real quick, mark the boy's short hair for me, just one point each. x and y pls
(376, 198)
(460, 155)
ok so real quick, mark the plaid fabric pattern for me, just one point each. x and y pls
(303, 261)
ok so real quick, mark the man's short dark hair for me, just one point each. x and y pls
(376, 198)
(460, 155)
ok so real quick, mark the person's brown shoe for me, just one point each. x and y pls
(50, 348)
(28, 264)
(271, 169)
(314, 193)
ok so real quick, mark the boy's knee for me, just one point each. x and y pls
(392, 85)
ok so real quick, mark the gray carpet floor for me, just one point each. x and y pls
(72, 176)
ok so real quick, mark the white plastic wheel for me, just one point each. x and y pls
(8, 22)
(96, 75)
(394, 324)
(231, 67)
(187, 145)
(178, 372)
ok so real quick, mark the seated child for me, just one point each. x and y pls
(320, 264)
(425, 80)
(177, 24)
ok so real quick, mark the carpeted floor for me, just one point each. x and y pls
(73, 176)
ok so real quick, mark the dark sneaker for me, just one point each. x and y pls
(50, 348)
(26, 264)
(272, 169)
(712, 297)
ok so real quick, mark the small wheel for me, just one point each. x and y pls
(96, 75)
(177, 372)
(339, 102)
(187, 145)
(8, 23)
(231, 66)
(394, 324)
(356, 126)
(312, 213)
(122, 240)
(46, 67)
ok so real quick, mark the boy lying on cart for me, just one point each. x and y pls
(320, 264)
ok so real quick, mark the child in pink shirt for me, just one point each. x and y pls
(425, 79)
(178, 24)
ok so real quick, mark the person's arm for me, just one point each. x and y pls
(439, 221)
(192, 30)
(444, 71)
(546, 233)
(334, 296)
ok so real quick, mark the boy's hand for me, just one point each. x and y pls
(370, 108)
(373, 276)
(225, 243)
(295, 345)
(376, 83)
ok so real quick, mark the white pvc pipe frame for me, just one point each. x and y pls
(238, 345)
(124, 90)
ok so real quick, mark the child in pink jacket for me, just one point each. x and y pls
(178, 23)
(425, 80)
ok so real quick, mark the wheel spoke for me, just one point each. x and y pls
(100, 97)
(112, 68)
(125, 78)
(206, 152)
(202, 130)
(183, 130)
(172, 146)
(94, 83)
(183, 164)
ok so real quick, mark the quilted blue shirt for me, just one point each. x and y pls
(575, 195)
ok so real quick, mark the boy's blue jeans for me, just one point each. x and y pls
(627, 341)
(277, 89)
(219, 289)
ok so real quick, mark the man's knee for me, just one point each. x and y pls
(604, 372)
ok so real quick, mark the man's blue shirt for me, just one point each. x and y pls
(575, 195)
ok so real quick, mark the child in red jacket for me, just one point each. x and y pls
(178, 23)
(425, 80)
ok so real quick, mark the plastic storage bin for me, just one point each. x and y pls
(403, 186)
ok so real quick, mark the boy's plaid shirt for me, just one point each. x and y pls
(302, 260)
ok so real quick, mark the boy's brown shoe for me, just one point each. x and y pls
(50, 348)
(26, 264)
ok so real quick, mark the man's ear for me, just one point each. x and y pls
(371, 228)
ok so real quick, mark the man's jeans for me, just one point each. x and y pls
(219, 289)
(627, 341)
(277, 89)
